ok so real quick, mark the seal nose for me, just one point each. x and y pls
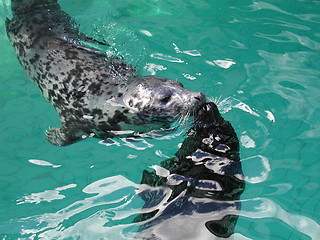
(200, 97)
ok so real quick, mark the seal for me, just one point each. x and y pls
(194, 195)
(93, 93)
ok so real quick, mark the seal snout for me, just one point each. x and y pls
(206, 110)
(207, 114)
(198, 100)
(200, 97)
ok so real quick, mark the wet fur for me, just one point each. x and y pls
(94, 94)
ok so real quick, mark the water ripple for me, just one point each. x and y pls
(286, 36)
(265, 208)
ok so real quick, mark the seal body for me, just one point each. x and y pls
(195, 194)
(93, 93)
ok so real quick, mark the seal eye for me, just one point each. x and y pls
(166, 99)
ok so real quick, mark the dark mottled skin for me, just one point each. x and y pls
(204, 179)
(92, 92)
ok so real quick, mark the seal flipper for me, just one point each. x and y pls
(61, 136)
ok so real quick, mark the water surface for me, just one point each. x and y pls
(258, 59)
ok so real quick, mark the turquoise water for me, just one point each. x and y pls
(258, 59)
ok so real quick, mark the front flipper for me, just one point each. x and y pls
(61, 136)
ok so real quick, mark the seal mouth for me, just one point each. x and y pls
(207, 115)
(205, 109)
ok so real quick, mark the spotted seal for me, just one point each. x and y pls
(93, 93)
(194, 194)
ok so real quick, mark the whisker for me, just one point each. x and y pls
(181, 118)
(177, 120)
(185, 118)
(216, 99)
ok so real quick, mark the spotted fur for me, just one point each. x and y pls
(92, 92)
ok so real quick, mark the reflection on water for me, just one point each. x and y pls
(112, 203)
(47, 196)
(113, 199)
(266, 208)
(227, 104)
(256, 168)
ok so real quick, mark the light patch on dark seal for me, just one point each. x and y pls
(92, 92)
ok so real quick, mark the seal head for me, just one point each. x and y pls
(161, 97)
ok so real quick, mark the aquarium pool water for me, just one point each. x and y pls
(259, 60)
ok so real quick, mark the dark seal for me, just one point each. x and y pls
(93, 93)
(195, 194)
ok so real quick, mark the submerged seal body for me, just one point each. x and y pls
(92, 92)
(195, 194)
